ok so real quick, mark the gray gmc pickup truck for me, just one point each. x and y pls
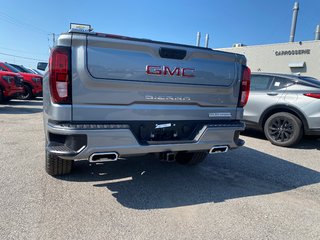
(108, 97)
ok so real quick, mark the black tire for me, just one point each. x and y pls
(191, 158)
(56, 166)
(27, 95)
(5, 100)
(283, 129)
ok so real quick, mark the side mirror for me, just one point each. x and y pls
(42, 66)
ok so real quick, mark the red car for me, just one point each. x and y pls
(11, 85)
(32, 83)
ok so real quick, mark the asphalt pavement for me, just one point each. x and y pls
(258, 191)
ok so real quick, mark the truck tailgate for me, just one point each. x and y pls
(118, 79)
(127, 61)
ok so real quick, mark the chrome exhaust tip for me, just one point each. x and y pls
(218, 149)
(103, 157)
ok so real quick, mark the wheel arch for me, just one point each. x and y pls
(1, 89)
(28, 84)
(283, 108)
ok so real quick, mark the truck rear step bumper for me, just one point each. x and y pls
(85, 142)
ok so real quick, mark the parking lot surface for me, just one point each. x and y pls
(259, 191)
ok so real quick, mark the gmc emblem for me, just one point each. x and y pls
(166, 71)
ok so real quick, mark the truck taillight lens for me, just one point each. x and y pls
(60, 75)
(245, 87)
(313, 95)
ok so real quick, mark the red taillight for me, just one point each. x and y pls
(245, 87)
(313, 95)
(59, 75)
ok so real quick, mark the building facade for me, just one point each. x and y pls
(293, 57)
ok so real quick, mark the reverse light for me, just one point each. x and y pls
(313, 95)
(245, 87)
(60, 76)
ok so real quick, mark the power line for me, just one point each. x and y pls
(11, 55)
(30, 27)
(21, 51)
(19, 23)
(23, 27)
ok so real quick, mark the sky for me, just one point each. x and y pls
(27, 26)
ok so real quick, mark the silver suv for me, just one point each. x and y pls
(284, 106)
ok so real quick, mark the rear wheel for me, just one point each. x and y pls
(283, 129)
(5, 100)
(27, 95)
(56, 166)
(191, 158)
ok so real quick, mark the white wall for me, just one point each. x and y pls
(277, 57)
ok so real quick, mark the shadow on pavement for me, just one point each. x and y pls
(146, 183)
(254, 133)
(35, 102)
(18, 110)
(307, 142)
(21, 107)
